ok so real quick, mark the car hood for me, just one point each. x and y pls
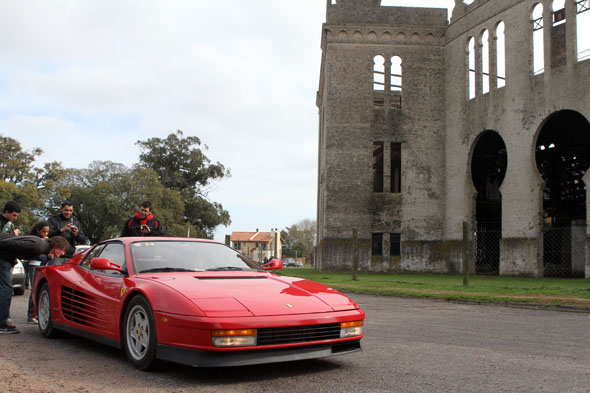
(237, 294)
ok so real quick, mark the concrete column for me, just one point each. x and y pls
(386, 167)
(386, 248)
(493, 46)
(547, 25)
(571, 36)
(478, 74)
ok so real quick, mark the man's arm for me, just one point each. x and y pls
(157, 230)
(125, 231)
(54, 228)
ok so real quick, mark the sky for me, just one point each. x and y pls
(86, 80)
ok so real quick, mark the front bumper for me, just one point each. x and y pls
(200, 358)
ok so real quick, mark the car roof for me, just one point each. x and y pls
(133, 239)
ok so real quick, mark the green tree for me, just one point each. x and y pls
(31, 187)
(15, 163)
(181, 165)
(106, 194)
(300, 237)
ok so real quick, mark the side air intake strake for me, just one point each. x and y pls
(80, 308)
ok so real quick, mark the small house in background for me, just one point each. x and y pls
(258, 245)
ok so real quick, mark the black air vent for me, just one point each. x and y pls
(83, 309)
(298, 334)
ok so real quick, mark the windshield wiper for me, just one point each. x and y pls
(222, 268)
(167, 269)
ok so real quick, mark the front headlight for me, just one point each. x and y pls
(234, 338)
(351, 329)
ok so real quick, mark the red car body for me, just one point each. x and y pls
(223, 311)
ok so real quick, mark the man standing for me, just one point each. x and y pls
(10, 213)
(65, 225)
(143, 223)
(23, 247)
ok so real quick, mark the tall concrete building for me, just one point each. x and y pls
(429, 126)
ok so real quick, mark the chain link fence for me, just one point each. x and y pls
(563, 252)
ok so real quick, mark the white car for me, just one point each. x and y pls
(18, 278)
(81, 248)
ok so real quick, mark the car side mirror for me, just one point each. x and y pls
(104, 264)
(274, 264)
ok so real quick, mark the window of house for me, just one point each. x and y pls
(500, 56)
(395, 245)
(485, 62)
(377, 166)
(396, 73)
(237, 245)
(538, 42)
(379, 73)
(583, 33)
(377, 244)
(396, 167)
(263, 245)
(471, 67)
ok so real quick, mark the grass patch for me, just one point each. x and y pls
(544, 291)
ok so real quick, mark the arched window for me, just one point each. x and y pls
(471, 67)
(558, 12)
(485, 62)
(379, 73)
(500, 56)
(396, 73)
(538, 43)
(583, 21)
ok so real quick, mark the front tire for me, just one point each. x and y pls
(19, 291)
(139, 334)
(44, 313)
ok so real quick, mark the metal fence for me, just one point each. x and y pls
(563, 252)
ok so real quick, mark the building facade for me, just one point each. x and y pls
(435, 132)
(258, 246)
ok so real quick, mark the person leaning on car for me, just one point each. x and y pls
(143, 223)
(22, 247)
(67, 226)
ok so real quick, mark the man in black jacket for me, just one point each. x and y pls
(23, 247)
(143, 223)
(67, 226)
(10, 213)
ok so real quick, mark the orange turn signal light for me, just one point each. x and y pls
(344, 325)
(234, 332)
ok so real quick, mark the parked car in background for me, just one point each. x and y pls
(289, 262)
(81, 248)
(18, 278)
(298, 263)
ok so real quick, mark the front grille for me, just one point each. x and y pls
(298, 334)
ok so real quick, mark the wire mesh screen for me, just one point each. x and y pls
(563, 252)
(487, 252)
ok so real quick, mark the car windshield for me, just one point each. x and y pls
(187, 256)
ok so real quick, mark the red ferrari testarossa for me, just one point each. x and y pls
(195, 302)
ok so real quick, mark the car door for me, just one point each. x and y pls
(102, 290)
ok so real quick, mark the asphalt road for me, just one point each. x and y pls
(409, 346)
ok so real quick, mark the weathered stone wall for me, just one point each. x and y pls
(438, 126)
(350, 122)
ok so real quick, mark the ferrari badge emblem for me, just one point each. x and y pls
(289, 305)
(123, 289)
